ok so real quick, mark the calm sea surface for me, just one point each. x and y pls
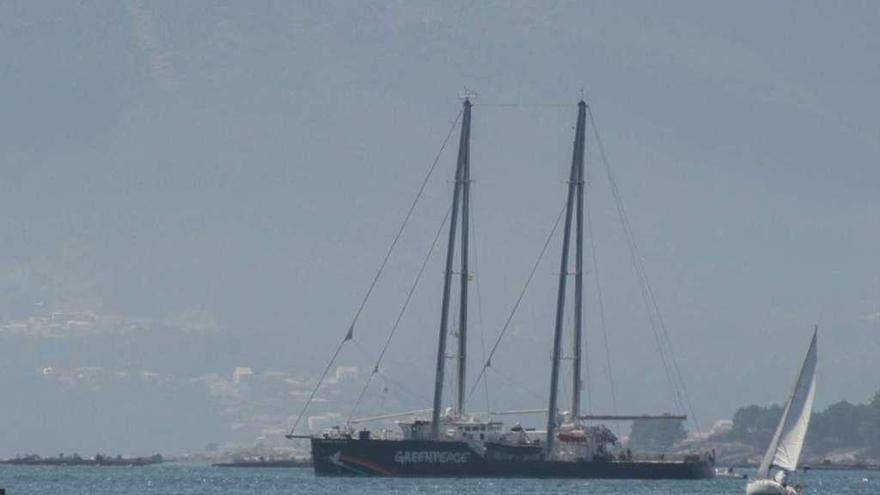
(186, 479)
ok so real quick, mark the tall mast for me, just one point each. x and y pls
(460, 171)
(464, 159)
(576, 382)
(577, 157)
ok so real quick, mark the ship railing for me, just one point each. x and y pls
(661, 456)
(385, 434)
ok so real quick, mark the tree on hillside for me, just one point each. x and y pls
(836, 427)
(869, 429)
(656, 436)
(754, 425)
(842, 425)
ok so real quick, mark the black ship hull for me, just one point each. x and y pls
(426, 458)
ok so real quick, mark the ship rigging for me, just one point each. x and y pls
(456, 442)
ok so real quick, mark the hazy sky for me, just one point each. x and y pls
(252, 160)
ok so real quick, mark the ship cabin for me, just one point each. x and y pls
(464, 429)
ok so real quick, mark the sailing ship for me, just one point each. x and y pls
(785, 448)
(454, 442)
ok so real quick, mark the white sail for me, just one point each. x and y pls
(788, 441)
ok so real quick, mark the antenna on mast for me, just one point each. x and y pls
(467, 94)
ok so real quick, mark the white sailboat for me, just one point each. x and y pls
(788, 441)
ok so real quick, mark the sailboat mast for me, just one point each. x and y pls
(447, 279)
(576, 381)
(464, 158)
(552, 409)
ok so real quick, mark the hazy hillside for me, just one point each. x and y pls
(219, 182)
(842, 433)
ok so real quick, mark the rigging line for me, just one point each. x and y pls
(600, 303)
(634, 258)
(588, 386)
(398, 391)
(400, 314)
(350, 332)
(585, 382)
(385, 376)
(569, 325)
(539, 105)
(600, 300)
(638, 268)
(388, 359)
(320, 380)
(479, 300)
(406, 218)
(686, 400)
(519, 299)
(406, 390)
(519, 385)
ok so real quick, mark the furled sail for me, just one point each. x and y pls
(788, 441)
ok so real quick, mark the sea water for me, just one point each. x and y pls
(172, 478)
